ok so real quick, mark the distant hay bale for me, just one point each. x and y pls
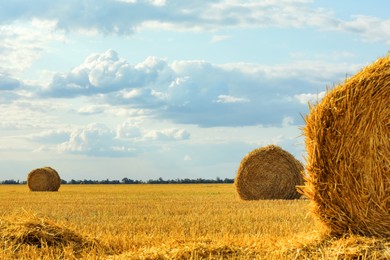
(269, 173)
(44, 179)
(348, 161)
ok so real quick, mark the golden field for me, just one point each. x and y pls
(178, 221)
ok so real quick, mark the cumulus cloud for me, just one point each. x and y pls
(195, 91)
(132, 130)
(95, 140)
(129, 138)
(168, 134)
(98, 74)
(104, 73)
(129, 129)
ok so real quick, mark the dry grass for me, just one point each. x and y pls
(269, 172)
(23, 231)
(322, 247)
(348, 145)
(165, 222)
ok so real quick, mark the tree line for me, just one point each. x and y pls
(131, 181)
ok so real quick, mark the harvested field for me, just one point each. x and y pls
(167, 222)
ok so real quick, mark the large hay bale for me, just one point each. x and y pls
(269, 173)
(348, 161)
(44, 179)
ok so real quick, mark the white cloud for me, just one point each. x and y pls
(231, 99)
(158, 2)
(287, 121)
(23, 43)
(370, 28)
(313, 71)
(168, 134)
(129, 129)
(106, 72)
(195, 91)
(219, 38)
(131, 15)
(52, 136)
(306, 98)
(41, 149)
(127, 1)
(96, 140)
(27, 113)
(92, 109)
(130, 93)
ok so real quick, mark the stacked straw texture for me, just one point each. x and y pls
(28, 230)
(347, 139)
(44, 179)
(269, 173)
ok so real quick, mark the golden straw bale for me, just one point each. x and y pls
(347, 138)
(44, 179)
(269, 173)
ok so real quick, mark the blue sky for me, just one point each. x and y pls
(174, 89)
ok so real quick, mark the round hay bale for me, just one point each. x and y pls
(269, 173)
(44, 179)
(347, 138)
